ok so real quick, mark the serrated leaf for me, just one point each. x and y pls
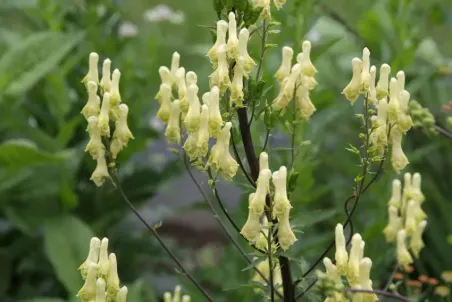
(66, 241)
(18, 153)
(26, 63)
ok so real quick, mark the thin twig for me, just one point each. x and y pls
(391, 278)
(236, 244)
(443, 132)
(267, 137)
(264, 38)
(270, 261)
(378, 293)
(115, 180)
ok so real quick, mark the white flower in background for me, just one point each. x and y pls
(162, 13)
(128, 30)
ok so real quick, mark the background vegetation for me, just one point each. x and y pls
(49, 208)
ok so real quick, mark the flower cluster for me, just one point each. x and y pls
(353, 265)
(100, 272)
(176, 297)
(281, 205)
(296, 81)
(391, 100)
(407, 220)
(104, 115)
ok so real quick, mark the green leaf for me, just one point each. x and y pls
(22, 4)
(26, 63)
(18, 153)
(138, 292)
(66, 243)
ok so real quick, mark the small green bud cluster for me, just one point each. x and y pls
(422, 118)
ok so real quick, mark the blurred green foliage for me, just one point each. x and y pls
(49, 209)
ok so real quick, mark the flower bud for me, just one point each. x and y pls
(167, 297)
(203, 132)
(353, 262)
(173, 130)
(105, 82)
(372, 88)
(248, 62)
(165, 77)
(104, 120)
(182, 89)
(286, 63)
(403, 256)
(330, 268)
(352, 90)
(92, 107)
(192, 118)
(177, 293)
(233, 41)
(365, 282)
(215, 119)
(186, 298)
(93, 257)
(101, 171)
(307, 68)
(101, 295)
(222, 28)
(341, 256)
(394, 224)
(417, 243)
(398, 158)
(383, 81)
(93, 73)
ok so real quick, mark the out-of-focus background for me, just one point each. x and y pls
(49, 209)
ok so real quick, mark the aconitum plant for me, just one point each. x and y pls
(205, 128)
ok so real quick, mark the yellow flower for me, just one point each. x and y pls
(233, 41)
(395, 200)
(88, 291)
(286, 237)
(115, 97)
(280, 201)
(379, 136)
(164, 111)
(365, 266)
(190, 145)
(222, 28)
(122, 132)
(257, 204)
(192, 118)
(288, 89)
(113, 279)
(101, 171)
(173, 130)
(93, 72)
(248, 62)
(403, 256)
(104, 262)
(442, 291)
(394, 224)
(264, 268)
(165, 77)
(122, 294)
(303, 102)
(104, 119)
(175, 62)
(237, 83)
(263, 161)
(93, 257)
(203, 132)
(398, 158)
(417, 243)
(220, 77)
(352, 90)
(105, 82)
(331, 269)
(101, 295)
(95, 145)
(286, 63)
(307, 68)
(92, 107)
(215, 119)
(279, 3)
(372, 87)
(252, 228)
(365, 73)
(341, 256)
(354, 260)
(447, 276)
(383, 81)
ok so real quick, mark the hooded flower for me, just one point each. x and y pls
(193, 116)
(237, 83)
(252, 228)
(233, 41)
(383, 81)
(215, 119)
(307, 68)
(248, 62)
(92, 107)
(95, 147)
(220, 158)
(173, 130)
(93, 257)
(101, 171)
(417, 244)
(93, 72)
(222, 28)
(165, 103)
(379, 136)
(403, 256)
(203, 132)
(286, 64)
(287, 90)
(220, 77)
(105, 82)
(394, 224)
(165, 77)
(354, 260)
(352, 90)
(365, 282)
(302, 100)
(122, 133)
(341, 256)
(398, 158)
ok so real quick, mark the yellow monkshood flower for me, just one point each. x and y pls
(220, 77)
(193, 116)
(237, 83)
(403, 256)
(394, 224)
(352, 90)
(101, 172)
(365, 73)
(92, 107)
(383, 81)
(215, 118)
(286, 64)
(93, 257)
(164, 111)
(307, 68)
(122, 133)
(398, 158)
(105, 82)
(365, 282)
(173, 130)
(175, 62)
(222, 29)
(165, 77)
(101, 294)
(93, 72)
(354, 260)
(248, 62)
(341, 256)
(233, 41)
(416, 243)
(252, 227)
(257, 204)
(203, 132)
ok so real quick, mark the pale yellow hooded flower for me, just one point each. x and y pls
(173, 131)
(222, 29)
(248, 62)
(193, 116)
(165, 95)
(101, 172)
(352, 90)
(286, 64)
(93, 72)
(398, 158)
(383, 81)
(341, 255)
(215, 118)
(394, 224)
(105, 82)
(403, 256)
(233, 41)
(203, 132)
(220, 77)
(92, 107)
(417, 244)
